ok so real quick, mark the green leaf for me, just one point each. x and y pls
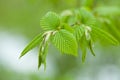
(83, 46)
(42, 55)
(32, 44)
(43, 49)
(104, 36)
(106, 11)
(65, 42)
(65, 15)
(50, 21)
(78, 31)
(39, 60)
(84, 51)
(72, 20)
(68, 28)
(90, 47)
(86, 17)
(110, 26)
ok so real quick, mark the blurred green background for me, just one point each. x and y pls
(19, 23)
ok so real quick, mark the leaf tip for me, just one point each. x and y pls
(20, 56)
(39, 66)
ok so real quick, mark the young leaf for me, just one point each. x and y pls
(84, 51)
(102, 35)
(65, 15)
(39, 60)
(42, 55)
(72, 19)
(32, 44)
(86, 17)
(106, 11)
(50, 21)
(90, 47)
(79, 31)
(43, 50)
(68, 28)
(83, 46)
(110, 26)
(65, 42)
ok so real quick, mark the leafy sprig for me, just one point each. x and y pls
(67, 32)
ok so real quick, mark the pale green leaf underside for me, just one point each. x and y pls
(32, 44)
(50, 21)
(104, 36)
(65, 42)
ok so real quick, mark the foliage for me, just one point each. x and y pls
(73, 29)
